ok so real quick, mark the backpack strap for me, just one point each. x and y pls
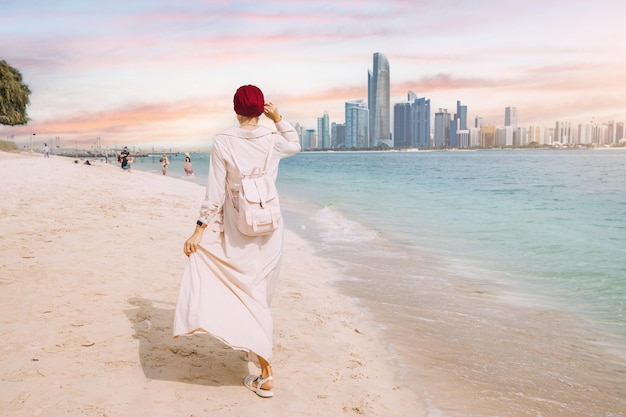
(267, 161)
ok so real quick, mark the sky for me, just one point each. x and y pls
(161, 73)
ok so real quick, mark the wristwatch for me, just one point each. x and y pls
(202, 225)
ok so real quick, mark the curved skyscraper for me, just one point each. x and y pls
(378, 102)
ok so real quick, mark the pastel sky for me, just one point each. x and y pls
(163, 73)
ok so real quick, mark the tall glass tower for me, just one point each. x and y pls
(323, 131)
(402, 125)
(378, 102)
(421, 123)
(357, 125)
(510, 116)
(461, 114)
(442, 128)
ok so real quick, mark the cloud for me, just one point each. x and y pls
(130, 118)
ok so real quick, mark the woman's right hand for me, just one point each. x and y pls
(191, 244)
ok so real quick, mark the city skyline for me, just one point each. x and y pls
(155, 73)
(368, 126)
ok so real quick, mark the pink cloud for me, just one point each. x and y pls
(128, 118)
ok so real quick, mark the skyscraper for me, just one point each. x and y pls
(461, 114)
(357, 125)
(402, 125)
(442, 128)
(459, 124)
(378, 96)
(323, 131)
(619, 131)
(420, 110)
(510, 117)
(338, 135)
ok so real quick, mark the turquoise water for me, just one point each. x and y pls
(497, 277)
(552, 222)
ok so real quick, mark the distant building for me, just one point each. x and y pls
(488, 136)
(611, 132)
(459, 123)
(378, 101)
(461, 114)
(474, 137)
(338, 135)
(420, 114)
(442, 129)
(563, 133)
(510, 117)
(402, 125)
(504, 136)
(357, 125)
(309, 139)
(453, 140)
(534, 136)
(463, 137)
(619, 131)
(411, 123)
(298, 128)
(323, 131)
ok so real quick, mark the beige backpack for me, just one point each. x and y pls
(257, 206)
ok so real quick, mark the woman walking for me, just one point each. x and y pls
(165, 162)
(188, 167)
(228, 283)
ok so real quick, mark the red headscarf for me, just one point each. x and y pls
(249, 101)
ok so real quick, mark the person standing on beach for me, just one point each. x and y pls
(188, 167)
(46, 151)
(125, 159)
(165, 162)
(229, 280)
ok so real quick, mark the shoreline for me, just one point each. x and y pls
(471, 345)
(91, 264)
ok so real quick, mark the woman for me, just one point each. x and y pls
(165, 162)
(229, 280)
(188, 167)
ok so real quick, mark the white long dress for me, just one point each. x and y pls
(228, 284)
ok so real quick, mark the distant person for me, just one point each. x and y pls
(188, 167)
(230, 277)
(165, 162)
(106, 157)
(124, 159)
(46, 151)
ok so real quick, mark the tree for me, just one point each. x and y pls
(14, 96)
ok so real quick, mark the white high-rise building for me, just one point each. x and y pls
(379, 102)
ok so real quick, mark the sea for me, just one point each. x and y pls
(497, 278)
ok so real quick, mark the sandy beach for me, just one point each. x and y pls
(91, 259)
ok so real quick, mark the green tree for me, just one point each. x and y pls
(14, 96)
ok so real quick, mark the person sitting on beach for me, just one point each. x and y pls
(188, 167)
(229, 280)
(164, 163)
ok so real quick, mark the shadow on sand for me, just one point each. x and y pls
(199, 359)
